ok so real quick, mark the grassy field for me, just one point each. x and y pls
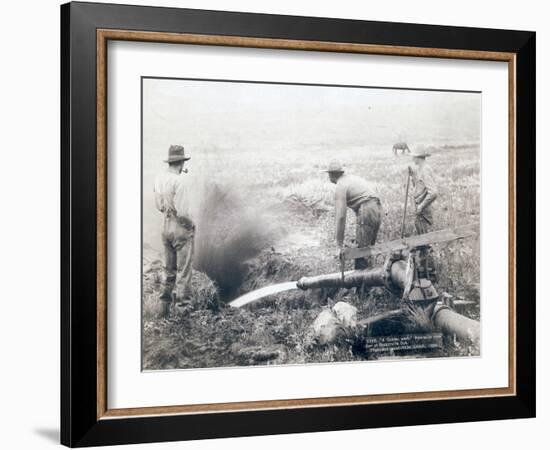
(267, 217)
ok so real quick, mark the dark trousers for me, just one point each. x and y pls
(369, 216)
(424, 224)
(179, 243)
(424, 221)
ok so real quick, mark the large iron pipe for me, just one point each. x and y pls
(353, 278)
(443, 317)
(453, 323)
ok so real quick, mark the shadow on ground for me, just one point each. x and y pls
(50, 434)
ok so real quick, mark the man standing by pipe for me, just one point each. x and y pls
(178, 230)
(425, 193)
(353, 192)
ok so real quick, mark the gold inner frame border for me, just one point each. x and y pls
(105, 35)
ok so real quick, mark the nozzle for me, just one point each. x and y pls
(300, 284)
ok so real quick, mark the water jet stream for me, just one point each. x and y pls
(263, 292)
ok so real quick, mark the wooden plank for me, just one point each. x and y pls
(434, 237)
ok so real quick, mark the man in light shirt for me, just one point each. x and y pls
(425, 193)
(353, 192)
(178, 229)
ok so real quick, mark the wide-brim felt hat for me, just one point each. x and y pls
(176, 153)
(335, 166)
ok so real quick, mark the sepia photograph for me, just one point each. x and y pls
(300, 224)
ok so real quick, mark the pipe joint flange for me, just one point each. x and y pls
(386, 274)
(437, 309)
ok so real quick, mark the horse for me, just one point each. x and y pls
(401, 146)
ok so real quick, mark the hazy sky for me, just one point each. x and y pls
(220, 113)
(262, 121)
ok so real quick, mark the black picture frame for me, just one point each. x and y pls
(80, 425)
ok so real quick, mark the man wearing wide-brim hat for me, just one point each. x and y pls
(425, 193)
(354, 192)
(178, 229)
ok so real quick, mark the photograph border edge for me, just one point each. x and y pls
(105, 35)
